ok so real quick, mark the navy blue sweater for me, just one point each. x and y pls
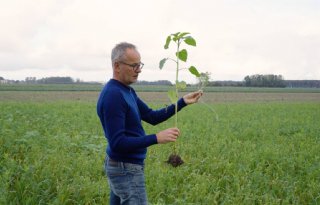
(120, 111)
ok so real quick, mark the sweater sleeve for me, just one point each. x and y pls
(155, 117)
(114, 112)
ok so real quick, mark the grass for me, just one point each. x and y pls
(50, 87)
(51, 153)
(257, 153)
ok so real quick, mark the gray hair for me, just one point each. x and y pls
(119, 50)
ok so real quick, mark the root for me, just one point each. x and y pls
(175, 160)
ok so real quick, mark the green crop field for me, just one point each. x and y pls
(236, 151)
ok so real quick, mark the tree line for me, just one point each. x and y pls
(50, 80)
(276, 81)
(158, 82)
(257, 80)
(303, 83)
(264, 81)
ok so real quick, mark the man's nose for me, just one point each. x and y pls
(138, 70)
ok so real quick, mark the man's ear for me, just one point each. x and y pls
(116, 66)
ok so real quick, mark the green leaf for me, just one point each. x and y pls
(175, 36)
(190, 41)
(194, 71)
(182, 55)
(172, 96)
(181, 85)
(167, 42)
(162, 62)
(181, 35)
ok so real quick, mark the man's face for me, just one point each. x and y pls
(126, 73)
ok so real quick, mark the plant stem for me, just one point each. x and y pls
(176, 105)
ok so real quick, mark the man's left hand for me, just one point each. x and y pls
(192, 97)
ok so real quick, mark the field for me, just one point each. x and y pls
(149, 88)
(238, 148)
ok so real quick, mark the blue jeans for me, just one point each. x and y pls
(126, 181)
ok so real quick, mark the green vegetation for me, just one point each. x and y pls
(51, 153)
(270, 80)
(50, 87)
(147, 88)
(257, 153)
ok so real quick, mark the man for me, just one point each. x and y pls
(120, 111)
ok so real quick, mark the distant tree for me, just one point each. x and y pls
(159, 82)
(225, 83)
(247, 81)
(31, 80)
(303, 83)
(258, 80)
(56, 80)
(1, 78)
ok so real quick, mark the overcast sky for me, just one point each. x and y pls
(235, 38)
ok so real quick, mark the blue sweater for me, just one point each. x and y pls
(120, 111)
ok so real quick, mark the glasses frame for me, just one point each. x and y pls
(134, 66)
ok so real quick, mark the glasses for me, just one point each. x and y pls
(134, 66)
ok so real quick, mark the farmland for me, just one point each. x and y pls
(241, 147)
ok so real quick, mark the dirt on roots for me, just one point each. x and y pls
(175, 160)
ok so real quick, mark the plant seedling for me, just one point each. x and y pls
(203, 80)
(181, 55)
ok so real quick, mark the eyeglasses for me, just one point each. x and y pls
(134, 66)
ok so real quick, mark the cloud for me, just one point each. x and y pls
(234, 39)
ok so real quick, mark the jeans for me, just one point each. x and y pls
(126, 181)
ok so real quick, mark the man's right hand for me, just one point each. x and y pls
(168, 135)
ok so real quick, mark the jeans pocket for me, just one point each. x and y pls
(127, 183)
(120, 182)
(115, 171)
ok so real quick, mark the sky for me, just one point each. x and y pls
(44, 38)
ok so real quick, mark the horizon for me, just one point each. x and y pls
(211, 80)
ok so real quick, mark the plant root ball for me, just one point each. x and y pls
(175, 160)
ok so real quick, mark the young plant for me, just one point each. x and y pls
(180, 55)
(203, 80)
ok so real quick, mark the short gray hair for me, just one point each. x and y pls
(119, 50)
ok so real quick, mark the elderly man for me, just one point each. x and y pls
(121, 111)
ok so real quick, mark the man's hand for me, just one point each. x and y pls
(168, 135)
(192, 97)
